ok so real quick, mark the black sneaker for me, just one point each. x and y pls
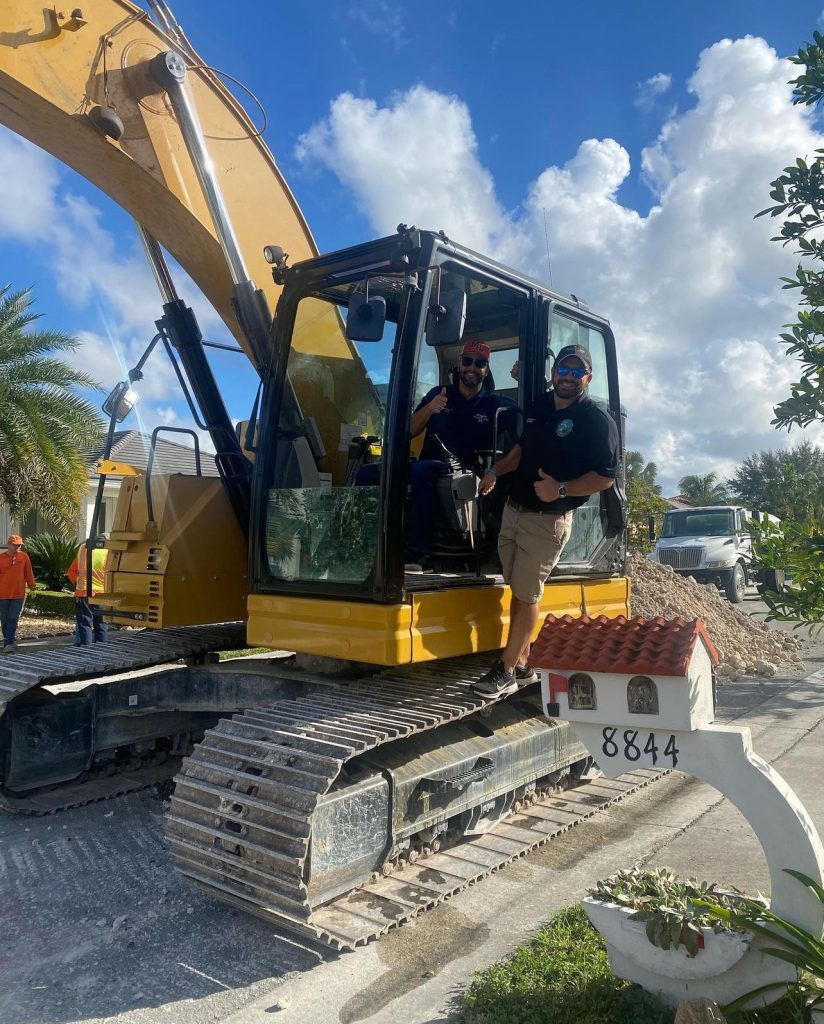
(524, 674)
(496, 682)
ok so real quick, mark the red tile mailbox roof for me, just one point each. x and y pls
(629, 646)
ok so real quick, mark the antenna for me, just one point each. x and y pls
(548, 260)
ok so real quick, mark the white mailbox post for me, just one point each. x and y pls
(639, 694)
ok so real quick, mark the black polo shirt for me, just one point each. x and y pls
(465, 425)
(564, 443)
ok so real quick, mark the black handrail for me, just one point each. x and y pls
(149, 464)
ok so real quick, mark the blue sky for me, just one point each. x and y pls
(620, 120)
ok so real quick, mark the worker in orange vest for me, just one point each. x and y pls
(90, 625)
(15, 575)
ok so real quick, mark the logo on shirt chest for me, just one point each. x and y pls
(564, 428)
(481, 417)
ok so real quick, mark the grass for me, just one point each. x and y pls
(787, 1010)
(562, 976)
(244, 652)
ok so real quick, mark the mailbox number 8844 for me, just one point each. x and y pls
(633, 746)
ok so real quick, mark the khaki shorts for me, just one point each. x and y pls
(529, 546)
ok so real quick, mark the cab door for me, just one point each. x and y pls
(597, 545)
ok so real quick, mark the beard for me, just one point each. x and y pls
(567, 388)
(471, 378)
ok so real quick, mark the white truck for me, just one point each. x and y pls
(711, 543)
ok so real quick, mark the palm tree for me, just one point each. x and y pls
(46, 428)
(703, 490)
(636, 468)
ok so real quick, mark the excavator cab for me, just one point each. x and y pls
(361, 335)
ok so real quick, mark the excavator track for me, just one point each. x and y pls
(22, 673)
(240, 821)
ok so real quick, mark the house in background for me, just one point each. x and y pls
(131, 448)
(678, 501)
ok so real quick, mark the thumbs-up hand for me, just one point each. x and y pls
(438, 403)
(546, 487)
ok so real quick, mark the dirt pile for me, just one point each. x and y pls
(745, 645)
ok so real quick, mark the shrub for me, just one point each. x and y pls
(50, 602)
(50, 557)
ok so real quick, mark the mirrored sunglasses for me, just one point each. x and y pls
(575, 371)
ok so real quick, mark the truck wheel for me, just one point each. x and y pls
(736, 585)
(773, 580)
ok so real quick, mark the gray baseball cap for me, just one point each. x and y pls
(579, 352)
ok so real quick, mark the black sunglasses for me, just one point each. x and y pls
(481, 364)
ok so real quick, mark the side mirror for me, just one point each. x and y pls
(365, 318)
(651, 527)
(446, 319)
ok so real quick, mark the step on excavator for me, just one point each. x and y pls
(339, 789)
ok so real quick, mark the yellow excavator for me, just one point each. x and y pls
(341, 791)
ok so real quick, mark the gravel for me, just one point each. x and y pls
(33, 625)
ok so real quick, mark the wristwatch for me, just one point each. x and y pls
(562, 490)
(493, 471)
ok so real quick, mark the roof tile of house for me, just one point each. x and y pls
(132, 447)
(628, 646)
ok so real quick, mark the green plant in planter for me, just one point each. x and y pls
(666, 903)
(794, 945)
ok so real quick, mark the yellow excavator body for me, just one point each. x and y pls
(183, 565)
(428, 626)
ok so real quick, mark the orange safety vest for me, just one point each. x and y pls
(77, 571)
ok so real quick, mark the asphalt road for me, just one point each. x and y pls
(96, 926)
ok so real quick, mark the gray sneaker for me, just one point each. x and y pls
(524, 674)
(496, 682)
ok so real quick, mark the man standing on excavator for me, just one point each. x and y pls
(568, 450)
(90, 625)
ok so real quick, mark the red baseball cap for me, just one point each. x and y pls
(15, 538)
(476, 348)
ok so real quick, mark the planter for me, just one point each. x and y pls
(668, 973)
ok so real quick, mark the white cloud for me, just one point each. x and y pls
(381, 18)
(691, 287)
(413, 160)
(650, 90)
(30, 182)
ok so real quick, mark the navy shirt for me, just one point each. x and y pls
(565, 444)
(466, 425)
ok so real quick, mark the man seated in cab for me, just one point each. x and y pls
(461, 418)
(458, 417)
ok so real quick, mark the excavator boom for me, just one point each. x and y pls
(62, 78)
